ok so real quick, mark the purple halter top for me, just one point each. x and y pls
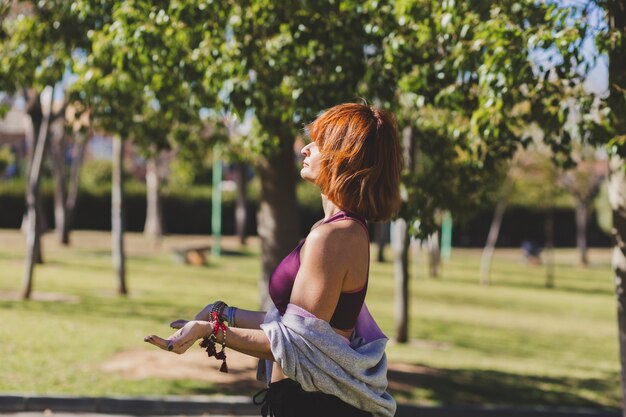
(284, 276)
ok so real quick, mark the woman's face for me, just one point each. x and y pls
(311, 164)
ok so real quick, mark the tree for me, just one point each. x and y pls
(239, 155)
(153, 227)
(148, 72)
(288, 61)
(534, 178)
(34, 54)
(512, 90)
(583, 183)
(530, 180)
(469, 81)
(80, 133)
(611, 131)
(281, 64)
(442, 61)
(66, 133)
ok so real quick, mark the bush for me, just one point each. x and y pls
(6, 158)
(185, 209)
(96, 173)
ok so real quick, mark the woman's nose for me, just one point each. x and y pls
(305, 151)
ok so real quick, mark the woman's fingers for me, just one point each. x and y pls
(167, 344)
(182, 339)
(173, 344)
(158, 342)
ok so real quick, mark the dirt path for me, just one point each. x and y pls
(195, 365)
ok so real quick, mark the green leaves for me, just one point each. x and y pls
(468, 76)
(293, 59)
(145, 73)
(471, 77)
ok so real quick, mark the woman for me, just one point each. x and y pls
(324, 351)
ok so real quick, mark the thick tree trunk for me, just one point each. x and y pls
(617, 181)
(241, 212)
(78, 154)
(549, 234)
(60, 190)
(117, 216)
(277, 218)
(582, 218)
(400, 246)
(153, 227)
(490, 246)
(617, 198)
(33, 237)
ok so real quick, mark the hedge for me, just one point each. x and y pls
(184, 212)
(189, 212)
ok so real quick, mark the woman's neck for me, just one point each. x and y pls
(330, 209)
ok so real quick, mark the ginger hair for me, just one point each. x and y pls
(361, 160)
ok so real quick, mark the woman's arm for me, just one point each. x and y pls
(329, 254)
(244, 319)
(247, 319)
(252, 342)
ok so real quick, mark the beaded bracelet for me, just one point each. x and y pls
(230, 316)
(208, 342)
(219, 307)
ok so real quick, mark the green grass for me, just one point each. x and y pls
(515, 342)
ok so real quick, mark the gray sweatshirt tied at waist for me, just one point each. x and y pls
(310, 352)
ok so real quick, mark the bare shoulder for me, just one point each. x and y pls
(344, 237)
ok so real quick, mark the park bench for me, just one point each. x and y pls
(193, 255)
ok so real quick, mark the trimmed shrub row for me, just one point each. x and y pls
(191, 214)
(181, 215)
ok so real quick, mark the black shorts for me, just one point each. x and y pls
(286, 398)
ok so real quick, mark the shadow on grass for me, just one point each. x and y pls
(533, 283)
(557, 287)
(458, 387)
(486, 387)
(245, 386)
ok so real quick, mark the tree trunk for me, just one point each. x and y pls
(78, 154)
(490, 246)
(582, 218)
(617, 198)
(617, 181)
(35, 112)
(400, 246)
(153, 227)
(434, 254)
(117, 216)
(549, 233)
(33, 237)
(60, 190)
(277, 218)
(382, 231)
(241, 213)
(399, 236)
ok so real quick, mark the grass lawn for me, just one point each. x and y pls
(512, 343)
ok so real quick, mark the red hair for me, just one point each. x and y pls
(361, 160)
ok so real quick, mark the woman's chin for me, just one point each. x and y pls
(307, 176)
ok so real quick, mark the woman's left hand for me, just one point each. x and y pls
(186, 336)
